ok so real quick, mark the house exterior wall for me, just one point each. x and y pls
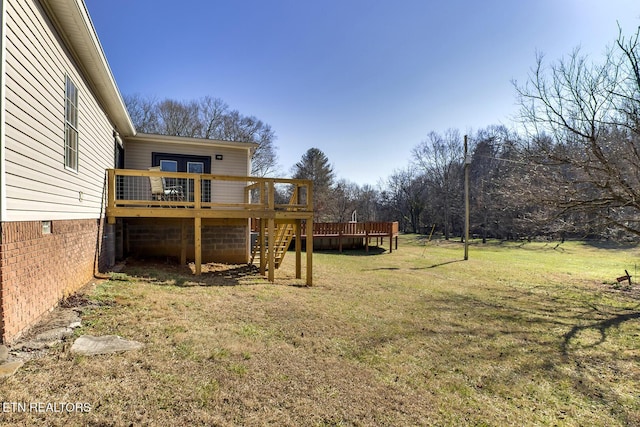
(38, 186)
(235, 162)
(36, 269)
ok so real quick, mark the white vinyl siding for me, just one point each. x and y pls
(38, 184)
(235, 162)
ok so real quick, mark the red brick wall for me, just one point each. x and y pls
(37, 270)
(222, 240)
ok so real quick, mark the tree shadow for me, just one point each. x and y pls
(602, 327)
(413, 268)
(438, 265)
(610, 245)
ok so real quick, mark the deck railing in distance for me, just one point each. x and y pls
(355, 230)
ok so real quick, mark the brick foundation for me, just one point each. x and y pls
(37, 270)
(223, 241)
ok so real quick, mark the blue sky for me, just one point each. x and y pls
(363, 80)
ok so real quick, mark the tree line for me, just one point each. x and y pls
(209, 118)
(569, 166)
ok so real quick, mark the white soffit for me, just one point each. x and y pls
(74, 24)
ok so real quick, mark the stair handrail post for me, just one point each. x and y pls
(263, 193)
(309, 196)
(272, 192)
(111, 188)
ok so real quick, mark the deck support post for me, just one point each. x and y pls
(309, 248)
(366, 238)
(271, 256)
(263, 242)
(298, 235)
(111, 193)
(197, 243)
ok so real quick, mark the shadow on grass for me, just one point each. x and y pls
(168, 272)
(610, 245)
(438, 265)
(602, 327)
(413, 268)
(373, 250)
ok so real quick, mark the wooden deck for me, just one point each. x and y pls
(355, 230)
(204, 196)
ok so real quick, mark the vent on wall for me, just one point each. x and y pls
(46, 227)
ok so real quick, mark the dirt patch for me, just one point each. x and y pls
(168, 271)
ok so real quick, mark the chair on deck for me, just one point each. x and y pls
(161, 191)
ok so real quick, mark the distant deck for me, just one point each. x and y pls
(341, 231)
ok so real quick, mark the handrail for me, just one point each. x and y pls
(130, 188)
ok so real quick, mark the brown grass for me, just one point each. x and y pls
(525, 334)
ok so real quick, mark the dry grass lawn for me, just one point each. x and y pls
(521, 334)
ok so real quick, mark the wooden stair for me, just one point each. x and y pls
(284, 234)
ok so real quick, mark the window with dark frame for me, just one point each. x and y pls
(70, 125)
(170, 162)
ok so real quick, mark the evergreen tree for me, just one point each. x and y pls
(315, 166)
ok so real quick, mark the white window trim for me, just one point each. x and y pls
(72, 126)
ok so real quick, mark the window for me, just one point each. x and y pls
(181, 162)
(169, 165)
(185, 163)
(70, 125)
(195, 167)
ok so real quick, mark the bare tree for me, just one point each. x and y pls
(439, 157)
(367, 204)
(212, 113)
(405, 195)
(178, 118)
(344, 196)
(208, 118)
(143, 113)
(583, 120)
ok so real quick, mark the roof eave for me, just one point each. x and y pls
(76, 28)
(149, 137)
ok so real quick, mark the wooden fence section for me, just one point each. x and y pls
(355, 230)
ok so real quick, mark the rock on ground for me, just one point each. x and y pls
(90, 346)
(10, 368)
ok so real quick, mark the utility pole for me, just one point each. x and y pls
(467, 163)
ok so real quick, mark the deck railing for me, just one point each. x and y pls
(353, 229)
(128, 188)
